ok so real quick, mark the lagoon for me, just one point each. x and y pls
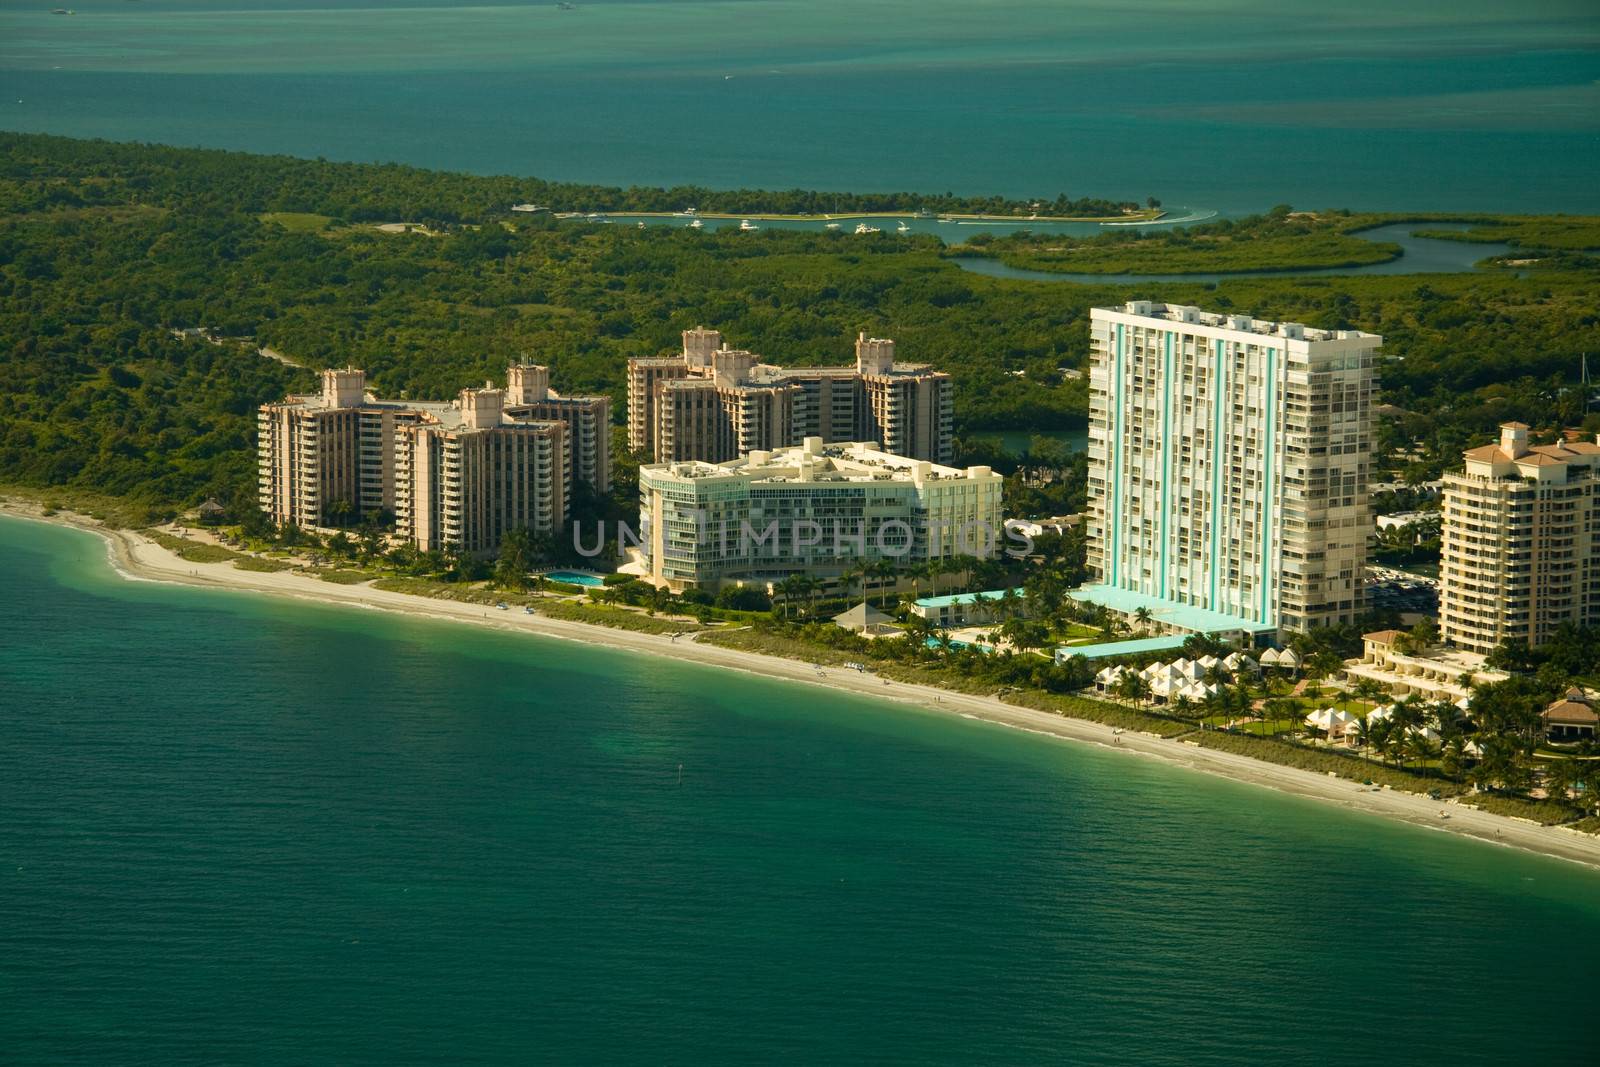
(1419, 255)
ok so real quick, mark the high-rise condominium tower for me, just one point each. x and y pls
(1521, 540)
(1228, 466)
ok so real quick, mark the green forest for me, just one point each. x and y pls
(107, 249)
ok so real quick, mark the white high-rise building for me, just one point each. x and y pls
(1228, 467)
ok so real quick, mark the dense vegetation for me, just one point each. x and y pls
(377, 192)
(104, 249)
(1279, 240)
(1569, 233)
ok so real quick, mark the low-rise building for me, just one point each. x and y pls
(970, 609)
(1435, 673)
(1572, 718)
(817, 510)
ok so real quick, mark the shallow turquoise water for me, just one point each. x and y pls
(233, 828)
(1479, 104)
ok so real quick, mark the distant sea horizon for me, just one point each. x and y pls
(1486, 106)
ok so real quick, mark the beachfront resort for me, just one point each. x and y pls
(1223, 550)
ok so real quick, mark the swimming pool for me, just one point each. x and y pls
(575, 578)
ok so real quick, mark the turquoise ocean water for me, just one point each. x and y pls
(1478, 104)
(238, 829)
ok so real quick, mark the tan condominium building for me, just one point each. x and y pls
(327, 459)
(467, 475)
(1228, 467)
(817, 509)
(587, 418)
(455, 475)
(1521, 542)
(714, 403)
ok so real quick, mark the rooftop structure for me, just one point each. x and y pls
(967, 609)
(816, 509)
(1572, 718)
(1521, 542)
(1107, 649)
(1228, 464)
(715, 403)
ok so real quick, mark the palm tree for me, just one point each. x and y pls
(1419, 747)
(1133, 686)
(1143, 616)
(1382, 735)
(788, 589)
(809, 586)
(1559, 777)
(888, 572)
(1369, 690)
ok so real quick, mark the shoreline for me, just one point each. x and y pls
(1138, 219)
(137, 558)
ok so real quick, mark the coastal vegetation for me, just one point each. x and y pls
(1277, 241)
(106, 250)
(1558, 233)
(298, 191)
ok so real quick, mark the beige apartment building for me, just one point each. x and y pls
(529, 398)
(455, 475)
(815, 510)
(714, 404)
(1521, 542)
(1228, 467)
(327, 459)
(467, 475)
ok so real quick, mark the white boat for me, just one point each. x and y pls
(903, 228)
(641, 225)
(696, 225)
(862, 227)
(746, 224)
(832, 226)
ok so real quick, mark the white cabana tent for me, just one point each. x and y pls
(1109, 677)
(1238, 661)
(1331, 720)
(1200, 691)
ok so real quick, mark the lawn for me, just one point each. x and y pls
(298, 221)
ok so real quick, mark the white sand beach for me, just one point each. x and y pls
(139, 557)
